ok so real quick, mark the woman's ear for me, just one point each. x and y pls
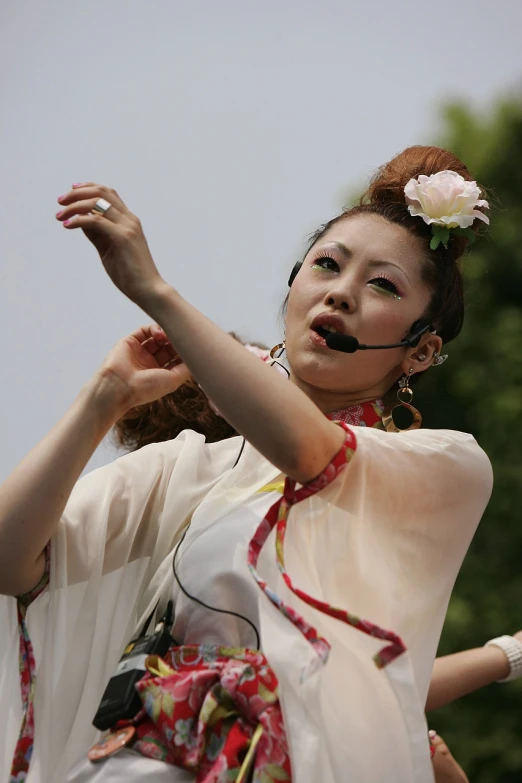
(422, 356)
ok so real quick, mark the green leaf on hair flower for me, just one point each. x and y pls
(435, 242)
(442, 234)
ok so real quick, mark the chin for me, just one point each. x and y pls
(320, 374)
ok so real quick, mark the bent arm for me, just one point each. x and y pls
(34, 496)
(464, 672)
(275, 416)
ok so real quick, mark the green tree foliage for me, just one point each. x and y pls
(479, 390)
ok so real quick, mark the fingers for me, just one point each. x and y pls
(177, 367)
(438, 743)
(159, 335)
(163, 356)
(148, 332)
(91, 190)
(446, 769)
(79, 202)
(178, 375)
(95, 223)
(167, 356)
(85, 207)
(156, 342)
(145, 332)
(156, 383)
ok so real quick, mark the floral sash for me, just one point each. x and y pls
(215, 711)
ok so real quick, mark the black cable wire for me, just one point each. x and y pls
(206, 606)
(197, 600)
(239, 455)
(274, 361)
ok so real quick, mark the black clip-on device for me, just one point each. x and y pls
(120, 700)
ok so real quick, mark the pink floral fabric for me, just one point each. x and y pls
(367, 414)
(204, 707)
(24, 745)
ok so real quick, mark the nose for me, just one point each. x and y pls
(340, 301)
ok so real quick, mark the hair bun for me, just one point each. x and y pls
(386, 196)
(387, 185)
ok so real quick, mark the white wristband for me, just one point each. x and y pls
(512, 649)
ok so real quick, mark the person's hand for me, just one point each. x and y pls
(143, 367)
(518, 635)
(117, 236)
(445, 768)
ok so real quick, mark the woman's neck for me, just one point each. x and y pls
(330, 402)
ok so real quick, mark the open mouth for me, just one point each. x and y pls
(324, 331)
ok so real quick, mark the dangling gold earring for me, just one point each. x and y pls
(275, 359)
(405, 396)
(278, 347)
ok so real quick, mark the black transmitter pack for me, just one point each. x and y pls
(120, 700)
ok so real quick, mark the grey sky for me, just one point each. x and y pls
(231, 128)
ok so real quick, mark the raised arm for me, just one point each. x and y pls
(275, 416)
(33, 497)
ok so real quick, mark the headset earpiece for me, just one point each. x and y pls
(416, 332)
(294, 272)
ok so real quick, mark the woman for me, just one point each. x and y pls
(377, 527)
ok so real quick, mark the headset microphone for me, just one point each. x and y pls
(348, 344)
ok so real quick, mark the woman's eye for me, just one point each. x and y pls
(325, 262)
(386, 286)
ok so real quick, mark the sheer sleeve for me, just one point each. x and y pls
(365, 559)
(410, 476)
(397, 523)
(110, 564)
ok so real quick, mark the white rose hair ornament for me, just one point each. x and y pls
(448, 203)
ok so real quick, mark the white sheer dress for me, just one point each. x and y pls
(385, 539)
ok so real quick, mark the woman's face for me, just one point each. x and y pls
(366, 272)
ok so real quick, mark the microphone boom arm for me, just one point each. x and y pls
(348, 344)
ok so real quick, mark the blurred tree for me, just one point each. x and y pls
(479, 390)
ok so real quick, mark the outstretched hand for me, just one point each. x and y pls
(116, 234)
(144, 367)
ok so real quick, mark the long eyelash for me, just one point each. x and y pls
(324, 254)
(383, 276)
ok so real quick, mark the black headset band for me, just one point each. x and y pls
(297, 266)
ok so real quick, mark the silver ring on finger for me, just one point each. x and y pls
(102, 206)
